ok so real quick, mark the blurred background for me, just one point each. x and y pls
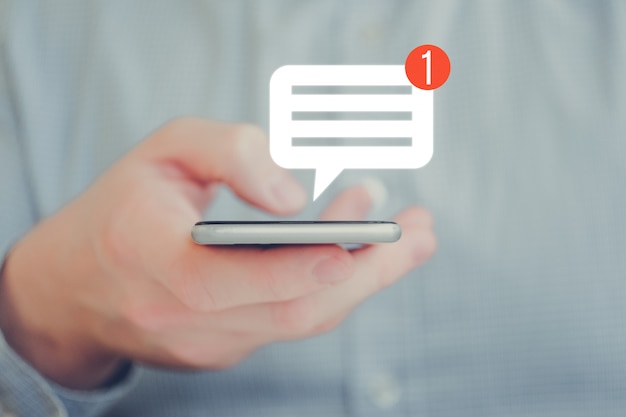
(521, 311)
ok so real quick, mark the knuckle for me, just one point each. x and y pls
(188, 285)
(272, 283)
(194, 294)
(115, 246)
(295, 318)
(343, 260)
(114, 243)
(178, 127)
(248, 132)
(173, 128)
(245, 142)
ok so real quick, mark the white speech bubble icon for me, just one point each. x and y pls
(335, 117)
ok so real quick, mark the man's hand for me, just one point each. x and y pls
(115, 276)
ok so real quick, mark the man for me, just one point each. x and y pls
(517, 314)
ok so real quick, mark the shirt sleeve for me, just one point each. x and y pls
(23, 391)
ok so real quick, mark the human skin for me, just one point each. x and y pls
(114, 276)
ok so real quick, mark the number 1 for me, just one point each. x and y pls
(426, 56)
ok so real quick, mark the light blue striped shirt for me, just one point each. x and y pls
(522, 310)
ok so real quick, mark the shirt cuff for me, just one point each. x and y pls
(97, 402)
(24, 392)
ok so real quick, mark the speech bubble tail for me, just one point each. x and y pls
(323, 178)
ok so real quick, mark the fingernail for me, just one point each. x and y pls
(330, 271)
(376, 190)
(288, 193)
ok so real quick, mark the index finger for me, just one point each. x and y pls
(236, 154)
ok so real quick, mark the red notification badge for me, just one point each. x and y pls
(427, 67)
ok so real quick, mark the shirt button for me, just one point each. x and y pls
(384, 391)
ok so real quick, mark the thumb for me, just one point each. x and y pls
(235, 154)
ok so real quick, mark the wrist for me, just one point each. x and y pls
(40, 326)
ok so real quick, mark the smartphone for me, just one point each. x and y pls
(295, 232)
